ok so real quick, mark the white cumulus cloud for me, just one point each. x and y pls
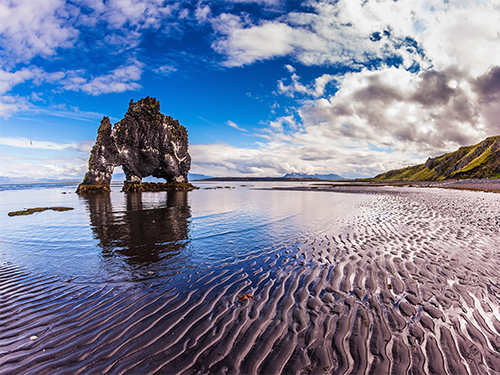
(119, 80)
(31, 28)
(315, 89)
(344, 32)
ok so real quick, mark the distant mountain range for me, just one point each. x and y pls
(477, 161)
(314, 176)
(120, 177)
(289, 176)
(197, 176)
(15, 180)
(28, 180)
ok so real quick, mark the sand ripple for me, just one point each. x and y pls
(409, 285)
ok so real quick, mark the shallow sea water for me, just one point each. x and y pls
(239, 278)
(132, 237)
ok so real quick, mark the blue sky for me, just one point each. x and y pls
(264, 87)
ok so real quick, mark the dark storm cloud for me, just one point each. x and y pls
(433, 89)
(426, 111)
(378, 91)
(488, 85)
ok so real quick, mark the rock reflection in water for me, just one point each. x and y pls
(143, 233)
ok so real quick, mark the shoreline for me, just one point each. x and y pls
(484, 185)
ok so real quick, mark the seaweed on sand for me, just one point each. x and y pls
(30, 211)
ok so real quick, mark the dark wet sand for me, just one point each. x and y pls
(409, 285)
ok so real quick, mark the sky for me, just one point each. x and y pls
(264, 87)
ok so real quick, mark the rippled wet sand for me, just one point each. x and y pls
(408, 283)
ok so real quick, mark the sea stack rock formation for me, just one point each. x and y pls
(145, 143)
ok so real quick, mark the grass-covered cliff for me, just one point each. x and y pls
(477, 161)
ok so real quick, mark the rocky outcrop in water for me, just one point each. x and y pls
(145, 143)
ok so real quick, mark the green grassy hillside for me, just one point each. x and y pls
(477, 161)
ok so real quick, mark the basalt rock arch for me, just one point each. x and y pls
(144, 143)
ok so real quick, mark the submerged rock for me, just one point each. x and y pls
(145, 143)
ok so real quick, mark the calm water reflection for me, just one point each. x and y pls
(162, 236)
(141, 234)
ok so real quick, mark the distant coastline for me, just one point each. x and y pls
(272, 179)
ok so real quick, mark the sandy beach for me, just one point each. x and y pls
(408, 284)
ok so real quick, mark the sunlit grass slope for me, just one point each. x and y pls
(477, 161)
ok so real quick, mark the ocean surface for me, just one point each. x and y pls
(250, 278)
